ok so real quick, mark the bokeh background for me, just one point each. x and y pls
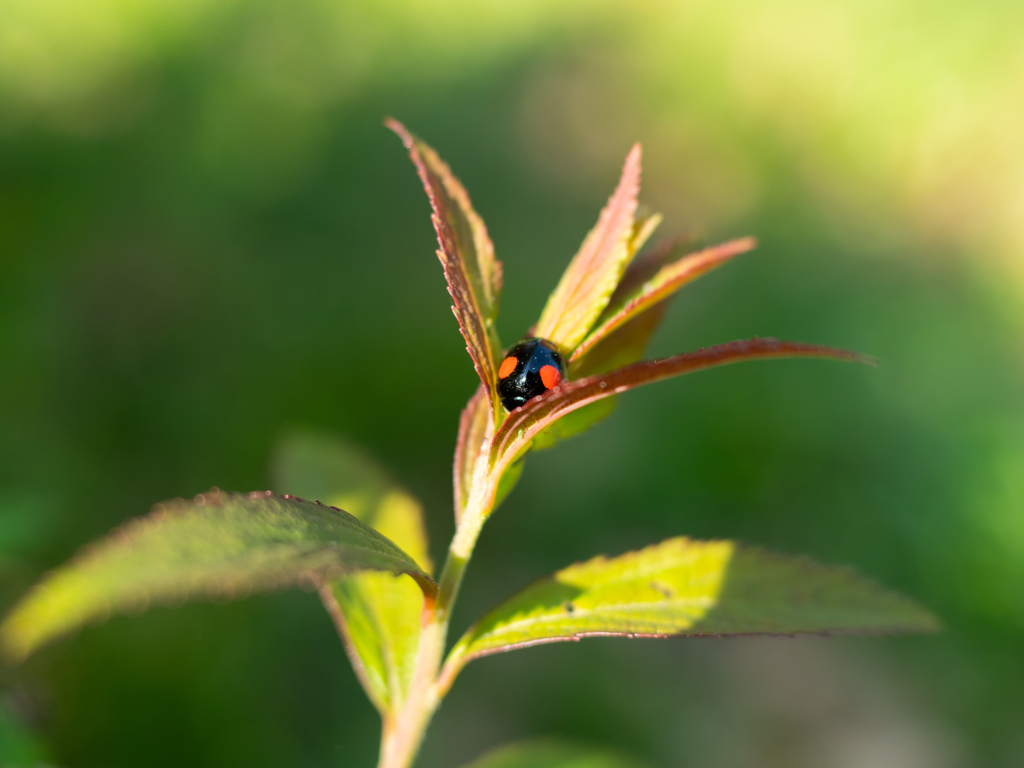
(207, 238)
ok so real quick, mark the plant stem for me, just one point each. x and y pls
(403, 731)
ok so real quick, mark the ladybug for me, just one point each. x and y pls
(530, 368)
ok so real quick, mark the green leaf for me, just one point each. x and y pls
(588, 283)
(377, 614)
(550, 754)
(525, 422)
(631, 300)
(467, 255)
(219, 545)
(685, 587)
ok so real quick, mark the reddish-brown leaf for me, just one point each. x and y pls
(526, 421)
(591, 278)
(643, 268)
(474, 425)
(467, 255)
(640, 293)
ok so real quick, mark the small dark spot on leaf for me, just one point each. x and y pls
(664, 589)
(568, 607)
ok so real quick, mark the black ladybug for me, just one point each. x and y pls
(530, 368)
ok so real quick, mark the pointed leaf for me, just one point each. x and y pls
(625, 345)
(475, 426)
(550, 754)
(377, 614)
(467, 255)
(686, 587)
(644, 224)
(659, 287)
(591, 278)
(526, 421)
(220, 545)
(643, 268)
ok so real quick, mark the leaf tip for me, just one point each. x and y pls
(845, 355)
(402, 132)
(631, 171)
(927, 623)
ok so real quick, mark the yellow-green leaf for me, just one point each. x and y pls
(550, 754)
(377, 614)
(589, 281)
(685, 587)
(219, 545)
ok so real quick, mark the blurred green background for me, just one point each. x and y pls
(207, 238)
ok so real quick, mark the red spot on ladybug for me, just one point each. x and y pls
(531, 368)
(508, 365)
(550, 376)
